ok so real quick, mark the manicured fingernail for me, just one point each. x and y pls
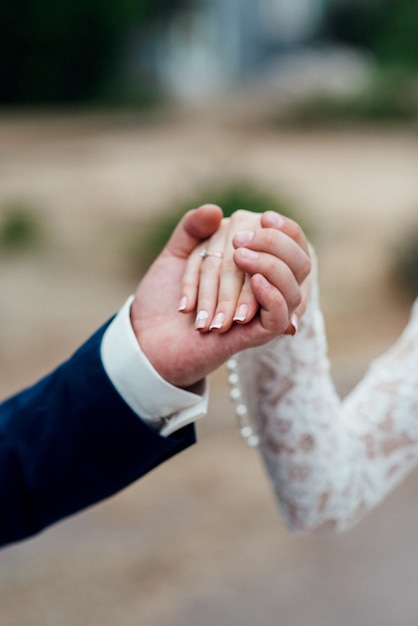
(275, 220)
(201, 319)
(244, 237)
(294, 320)
(241, 313)
(218, 322)
(183, 304)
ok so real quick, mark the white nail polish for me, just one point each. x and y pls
(241, 313)
(183, 304)
(294, 320)
(218, 322)
(201, 319)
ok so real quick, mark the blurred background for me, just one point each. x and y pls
(115, 118)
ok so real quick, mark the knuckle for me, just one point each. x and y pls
(272, 265)
(306, 267)
(270, 237)
(189, 284)
(293, 230)
(295, 300)
(239, 215)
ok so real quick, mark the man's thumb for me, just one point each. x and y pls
(197, 225)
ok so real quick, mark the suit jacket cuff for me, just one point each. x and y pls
(160, 404)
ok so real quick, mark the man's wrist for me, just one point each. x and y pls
(151, 397)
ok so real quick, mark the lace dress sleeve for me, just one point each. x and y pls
(330, 461)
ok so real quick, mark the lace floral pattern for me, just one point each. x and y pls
(331, 460)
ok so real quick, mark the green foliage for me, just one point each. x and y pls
(231, 197)
(388, 28)
(396, 41)
(20, 228)
(66, 51)
(391, 98)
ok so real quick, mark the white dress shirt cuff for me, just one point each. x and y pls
(161, 405)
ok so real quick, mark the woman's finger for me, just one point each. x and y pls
(211, 259)
(270, 219)
(247, 305)
(274, 313)
(279, 245)
(232, 279)
(275, 271)
(191, 279)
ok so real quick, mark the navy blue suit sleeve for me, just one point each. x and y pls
(70, 441)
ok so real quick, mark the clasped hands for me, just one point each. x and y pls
(254, 264)
(254, 293)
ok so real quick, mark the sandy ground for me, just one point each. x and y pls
(200, 541)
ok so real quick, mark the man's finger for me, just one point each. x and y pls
(197, 225)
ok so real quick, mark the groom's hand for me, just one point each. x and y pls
(179, 353)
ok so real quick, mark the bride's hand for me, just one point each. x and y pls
(212, 282)
(253, 264)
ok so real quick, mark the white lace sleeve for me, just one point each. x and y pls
(331, 461)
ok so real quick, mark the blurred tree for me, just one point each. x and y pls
(388, 28)
(21, 228)
(396, 41)
(64, 51)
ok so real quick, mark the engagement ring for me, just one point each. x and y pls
(205, 253)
